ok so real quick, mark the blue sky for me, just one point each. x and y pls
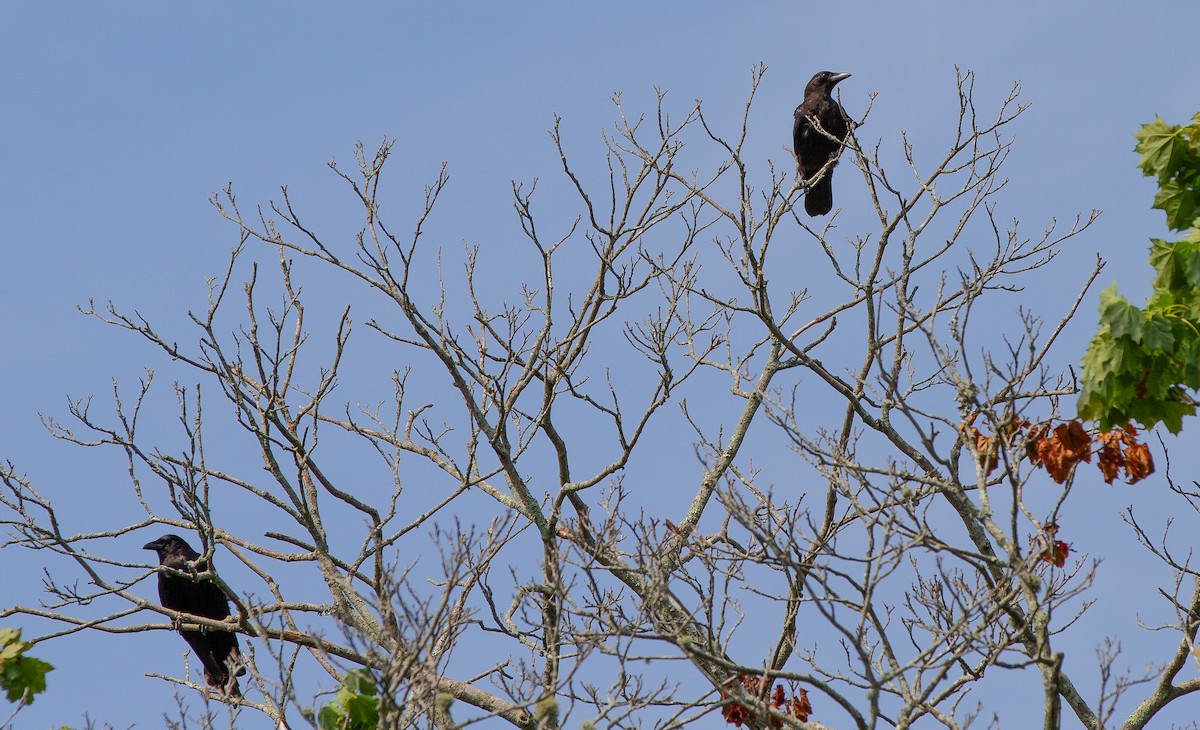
(121, 120)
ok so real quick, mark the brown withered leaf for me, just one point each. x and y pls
(801, 708)
(1012, 430)
(1138, 463)
(733, 712)
(778, 697)
(1031, 443)
(1076, 439)
(1068, 445)
(983, 447)
(1056, 553)
(1111, 460)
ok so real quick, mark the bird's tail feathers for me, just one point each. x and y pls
(224, 682)
(818, 198)
(222, 675)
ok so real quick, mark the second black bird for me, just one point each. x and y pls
(814, 146)
(217, 649)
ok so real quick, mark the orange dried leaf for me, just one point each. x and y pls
(1060, 452)
(778, 698)
(800, 706)
(1138, 463)
(1056, 554)
(1075, 439)
(734, 713)
(983, 447)
(1013, 430)
(1016, 425)
(1111, 459)
(1032, 442)
(1050, 456)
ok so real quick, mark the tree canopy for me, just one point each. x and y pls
(691, 458)
(1144, 363)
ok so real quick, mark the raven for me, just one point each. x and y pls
(816, 147)
(217, 649)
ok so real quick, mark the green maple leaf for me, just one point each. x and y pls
(1162, 258)
(1179, 203)
(355, 707)
(1158, 334)
(1104, 358)
(1121, 318)
(1161, 145)
(1187, 254)
(25, 678)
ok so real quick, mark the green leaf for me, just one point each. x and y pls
(1162, 258)
(355, 707)
(10, 652)
(1102, 359)
(1169, 412)
(23, 678)
(1187, 256)
(1158, 334)
(363, 712)
(360, 682)
(330, 719)
(1161, 145)
(1179, 203)
(1121, 318)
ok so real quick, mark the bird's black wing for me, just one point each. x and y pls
(202, 598)
(815, 148)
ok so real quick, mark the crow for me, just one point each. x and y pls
(816, 147)
(217, 649)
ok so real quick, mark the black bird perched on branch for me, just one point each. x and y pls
(820, 130)
(217, 649)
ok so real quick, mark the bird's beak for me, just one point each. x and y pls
(837, 77)
(151, 545)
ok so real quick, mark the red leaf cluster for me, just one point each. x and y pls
(1056, 551)
(735, 713)
(1119, 449)
(1058, 449)
(799, 706)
